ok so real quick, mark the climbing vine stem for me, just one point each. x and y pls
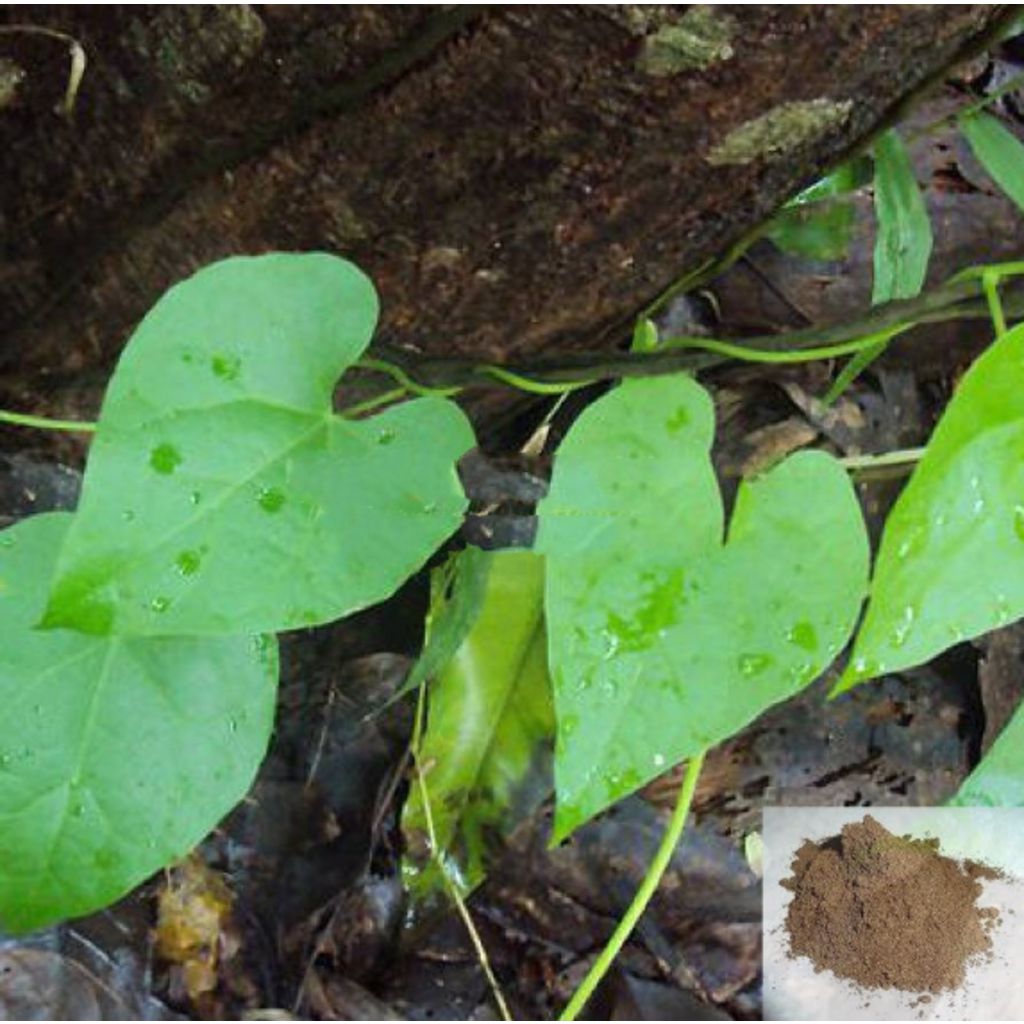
(962, 298)
(655, 871)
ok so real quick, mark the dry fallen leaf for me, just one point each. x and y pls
(193, 925)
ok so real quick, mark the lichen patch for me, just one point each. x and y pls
(700, 38)
(780, 130)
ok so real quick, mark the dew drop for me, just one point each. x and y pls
(226, 367)
(753, 664)
(262, 647)
(678, 420)
(583, 683)
(430, 506)
(803, 635)
(78, 810)
(5, 760)
(160, 604)
(194, 498)
(271, 499)
(188, 562)
(659, 760)
(165, 459)
(232, 725)
(386, 436)
(611, 644)
(863, 666)
(128, 515)
(902, 630)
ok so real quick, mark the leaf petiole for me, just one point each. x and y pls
(648, 887)
(19, 419)
(990, 282)
(899, 457)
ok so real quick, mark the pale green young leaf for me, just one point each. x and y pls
(998, 150)
(903, 245)
(457, 598)
(222, 494)
(486, 750)
(904, 242)
(817, 231)
(117, 755)
(998, 780)
(846, 178)
(950, 565)
(663, 640)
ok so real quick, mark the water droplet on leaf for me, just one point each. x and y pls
(803, 635)
(160, 604)
(271, 499)
(165, 459)
(226, 367)
(679, 420)
(754, 664)
(188, 562)
(902, 630)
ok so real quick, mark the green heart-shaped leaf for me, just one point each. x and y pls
(998, 779)
(223, 495)
(662, 639)
(951, 562)
(117, 755)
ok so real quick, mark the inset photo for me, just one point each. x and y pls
(893, 913)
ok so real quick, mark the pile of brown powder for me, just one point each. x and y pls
(887, 912)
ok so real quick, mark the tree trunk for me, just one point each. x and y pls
(516, 180)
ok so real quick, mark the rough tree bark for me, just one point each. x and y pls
(516, 180)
